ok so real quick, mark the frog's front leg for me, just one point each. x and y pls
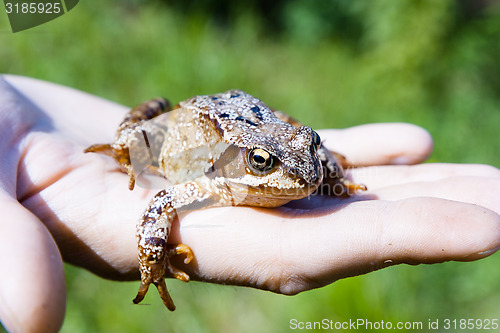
(132, 131)
(153, 231)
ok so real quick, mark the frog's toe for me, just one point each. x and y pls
(177, 273)
(131, 177)
(165, 296)
(174, 250)
(359, 187)
(143, 289)
(352, 188)
(100, 148)
(149, 274)
(178, 249)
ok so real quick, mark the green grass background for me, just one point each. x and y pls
(328, 63)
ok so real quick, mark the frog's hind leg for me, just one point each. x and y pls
(287, 119)
(153, 231)
(154, 253)
(334, 179)
(143, 112)
(130, 131)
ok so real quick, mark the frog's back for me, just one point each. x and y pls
(191, 143)
(201, 128)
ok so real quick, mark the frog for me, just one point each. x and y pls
(226, 149)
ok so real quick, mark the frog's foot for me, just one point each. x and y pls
(102, 149)
(341, 187)
(155, 273)
(120, 154)
(351, 188)
(178, 249)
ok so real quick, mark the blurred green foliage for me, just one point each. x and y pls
(328, 63)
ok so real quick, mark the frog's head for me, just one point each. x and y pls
(281, 168)
(286, 168)
(272, 161)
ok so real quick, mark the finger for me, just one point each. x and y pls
(476, 190)
(386, 176)
(379, 144)
(472, 183)
(367, 236)
(73, 112)
(32, 287)
(299, 251)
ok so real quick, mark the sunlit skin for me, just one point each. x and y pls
(72, 206)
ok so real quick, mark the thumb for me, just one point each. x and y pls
(32, 287)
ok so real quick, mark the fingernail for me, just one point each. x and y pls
(489, 252)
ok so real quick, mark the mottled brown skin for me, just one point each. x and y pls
(228, 149)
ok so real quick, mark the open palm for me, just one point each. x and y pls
(58, 202)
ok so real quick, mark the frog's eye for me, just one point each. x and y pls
(316, 140)
(260, 160)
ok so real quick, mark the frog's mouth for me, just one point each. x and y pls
(247, 189)
(288, 193)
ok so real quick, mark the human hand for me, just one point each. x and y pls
(52, 193)
(413, 214)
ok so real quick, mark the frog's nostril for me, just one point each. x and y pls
(314, 178)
